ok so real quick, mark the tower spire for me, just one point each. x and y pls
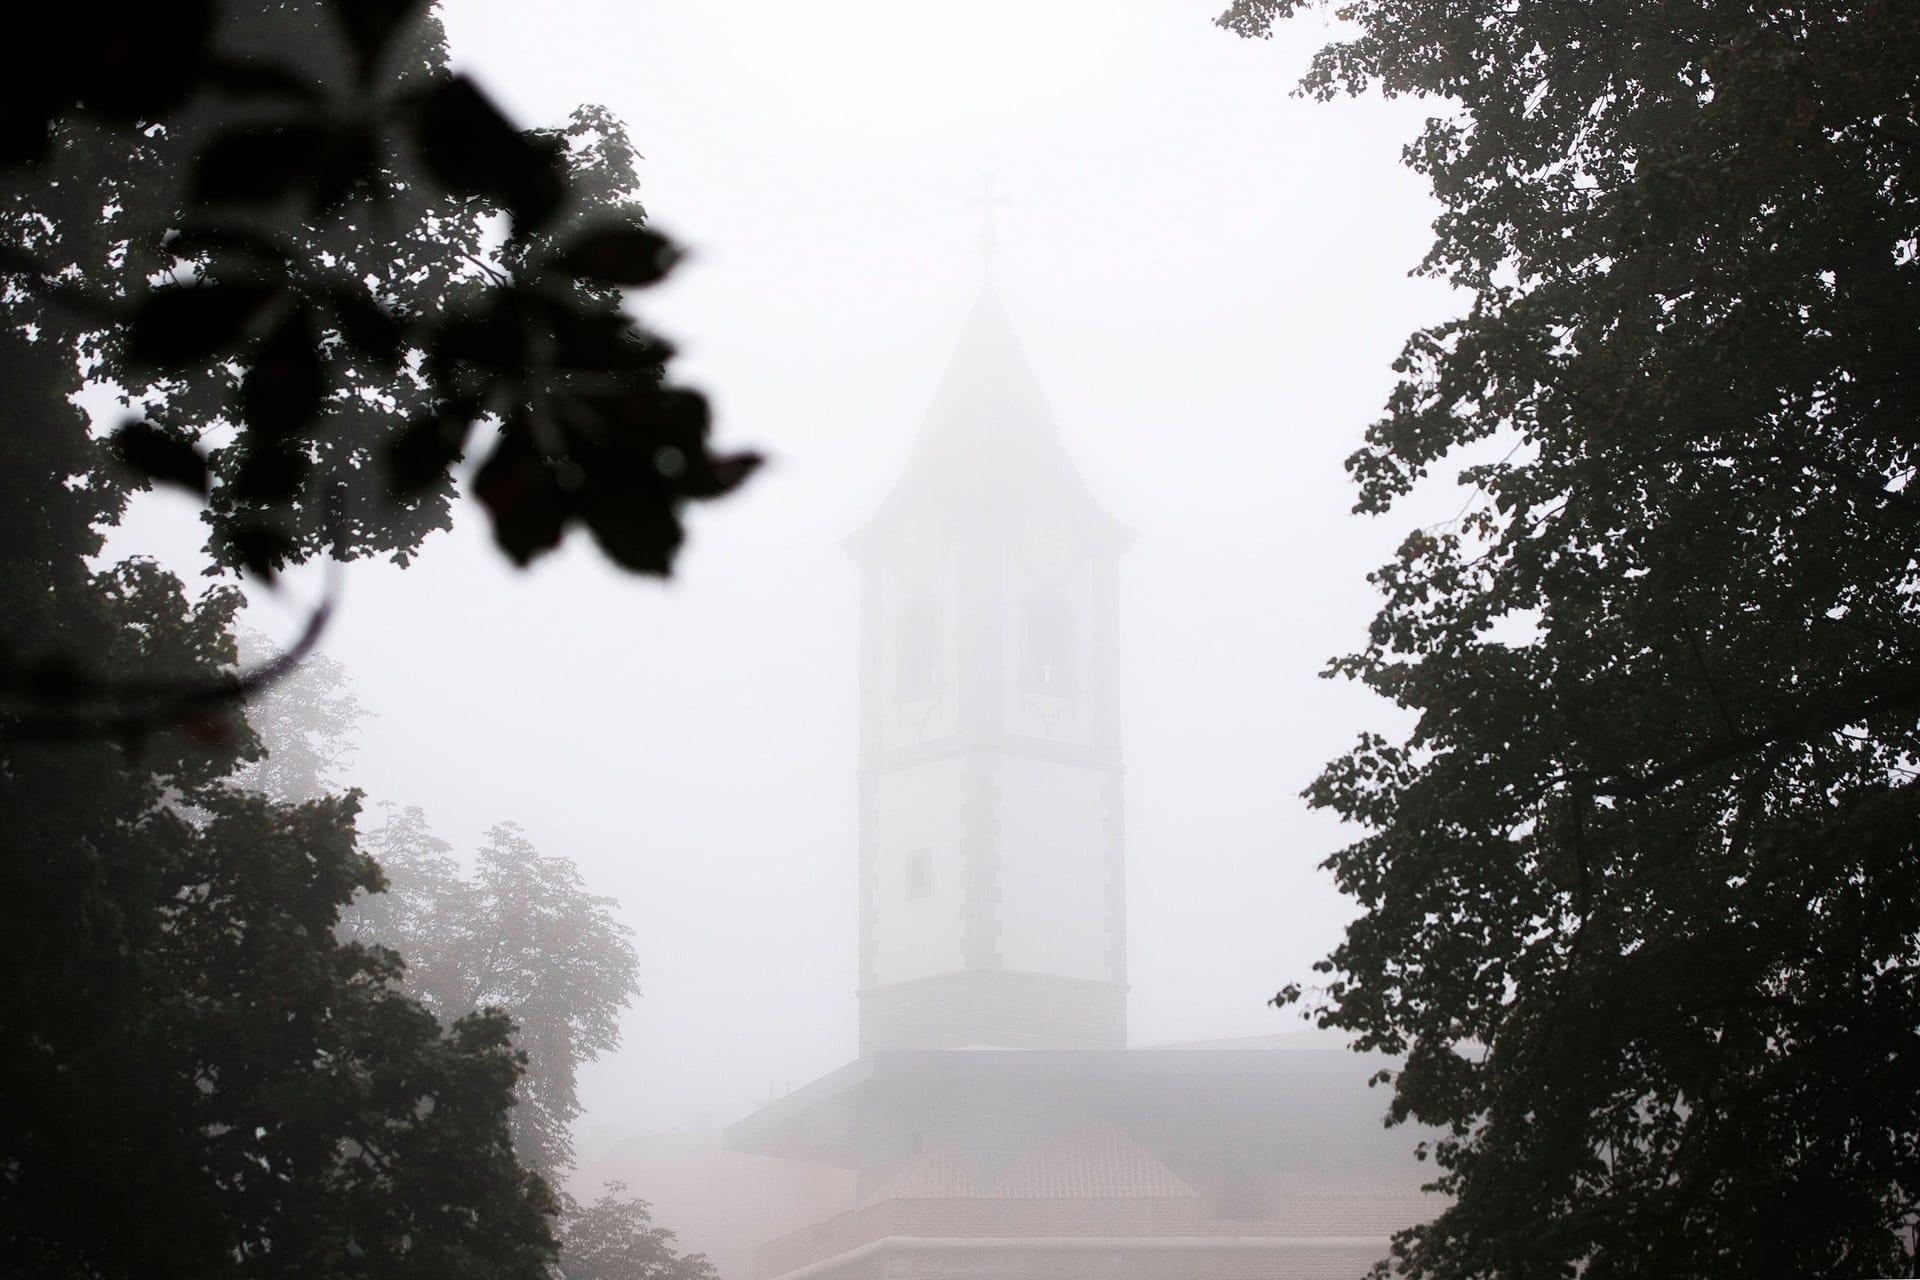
(986, 202)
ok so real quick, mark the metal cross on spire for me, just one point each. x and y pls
(986, 202)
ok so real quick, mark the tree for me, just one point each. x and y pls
(308, 722)
(1640, 900)
(319, 264)
(524, 939)
(199, 1079)
(522, 936)
(614, 1239)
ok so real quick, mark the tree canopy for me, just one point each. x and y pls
(319, 265)
(614, 1239)
(1640, 900)
(199, 1079)
(522, 934)
(519, 936)
(317, 261)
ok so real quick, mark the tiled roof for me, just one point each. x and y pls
(1096, 1163)
(938, 1175)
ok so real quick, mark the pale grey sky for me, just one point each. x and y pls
(1210, 277)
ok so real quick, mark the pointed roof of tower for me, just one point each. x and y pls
(989, 443)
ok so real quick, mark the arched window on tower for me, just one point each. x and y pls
(920, 667)
(1046, 647)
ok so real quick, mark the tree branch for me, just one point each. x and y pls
(141, 706)
(1640, 786)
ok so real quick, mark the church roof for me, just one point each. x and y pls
(1306, 1107)
(1098, 1162)
(1267, 1162)
(989, 443)
(938, 1175)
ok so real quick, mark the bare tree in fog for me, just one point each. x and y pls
(1640, 894)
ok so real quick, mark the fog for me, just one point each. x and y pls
(1210, 278)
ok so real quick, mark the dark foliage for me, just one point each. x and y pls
(1640, 894)
(276, 226)
(199, 1080)
(283, 239)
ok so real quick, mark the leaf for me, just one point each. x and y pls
(269, 471)
(184, 323)
(631, 256)
(57, 679)
(727, 472)
(160, 455)
(521, 492)
(203, 241)
(371, 26)
(368, 327)
(602, 340)
(259, 78)
(17, 261)
(420, 453)
(349, 163)
(286, 381)
(682, 420)
(493, 339)
(639, 531)
(25, 120)
(259, 165)
(469, 146)
(260, 548)
(145, 63)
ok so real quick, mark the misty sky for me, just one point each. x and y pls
(1210, 277)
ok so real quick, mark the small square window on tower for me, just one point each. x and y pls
(919, 873)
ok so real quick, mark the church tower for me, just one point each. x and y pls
(993, 918)
(992, 878)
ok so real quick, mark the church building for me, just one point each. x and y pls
(995, 1120)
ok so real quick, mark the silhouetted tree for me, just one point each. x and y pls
(198, 1079)
(1640, 893)
(321, 262)
(317, 263)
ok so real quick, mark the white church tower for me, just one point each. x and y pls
(992, 871)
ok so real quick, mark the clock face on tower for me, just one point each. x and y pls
(1048, 548)
(920, 551)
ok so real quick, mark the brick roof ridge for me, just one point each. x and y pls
(1098, 1162)
(940, 1174)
